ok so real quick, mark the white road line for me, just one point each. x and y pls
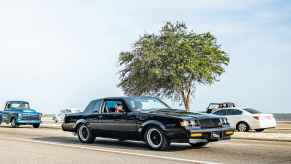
(113, 151)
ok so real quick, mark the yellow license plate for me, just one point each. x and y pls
(228, 133)
(196, 134)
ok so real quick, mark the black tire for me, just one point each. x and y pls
(36, 125)
(13, 123)
(259, 130)
(242, 127)
(199, 145)
(156, 139)
(85, 134)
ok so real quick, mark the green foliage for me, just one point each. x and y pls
(171, 63)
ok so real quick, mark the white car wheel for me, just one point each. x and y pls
(242, 127)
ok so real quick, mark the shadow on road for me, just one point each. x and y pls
(110, 143)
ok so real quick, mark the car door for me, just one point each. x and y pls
(224, 112)
(112, 121)
(233, 116)
(6, 114)
(92, 114)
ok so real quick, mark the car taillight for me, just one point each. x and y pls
(263, 117)
(257, 117)
(269, 117)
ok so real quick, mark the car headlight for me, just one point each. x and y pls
(184, 123)
(19, 115)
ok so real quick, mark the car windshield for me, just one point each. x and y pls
(19, 105)
(146, 103)
(252, 111)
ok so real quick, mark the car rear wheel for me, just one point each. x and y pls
(35, 125)
(242, 127)
(259, 130)
(85, 134)
(198, 145)
(13, 123)
(156, 139)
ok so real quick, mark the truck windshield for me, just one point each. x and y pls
(19, 105)
(146, 103)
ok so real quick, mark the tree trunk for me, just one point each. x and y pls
(186, 99)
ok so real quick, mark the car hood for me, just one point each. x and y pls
(180, 114)
(25, 111)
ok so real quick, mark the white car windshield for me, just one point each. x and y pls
(252, 111)
(146, 103)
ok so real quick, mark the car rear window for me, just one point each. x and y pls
(252, 111)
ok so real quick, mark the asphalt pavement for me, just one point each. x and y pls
(26, 145)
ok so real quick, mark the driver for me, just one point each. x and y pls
(119, 108)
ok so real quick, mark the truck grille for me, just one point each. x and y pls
(33, 117)
(210, 123)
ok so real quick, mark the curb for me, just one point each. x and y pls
(50, 127)
(262, 139)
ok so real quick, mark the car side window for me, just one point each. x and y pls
(113, 106)
(220, 112)
(93, 107)
(234, 112)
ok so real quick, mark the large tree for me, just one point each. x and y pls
(172, 63)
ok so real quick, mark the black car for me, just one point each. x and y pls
(147, 119)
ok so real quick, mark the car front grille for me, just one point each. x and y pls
(210, 123)
(30, 117)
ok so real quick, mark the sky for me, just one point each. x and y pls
(61, 54)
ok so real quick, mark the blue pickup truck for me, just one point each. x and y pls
(19, 113)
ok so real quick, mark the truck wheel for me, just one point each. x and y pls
(13, 123)
(156, 139)
(85, 134)
(35, 125)
(199, 145)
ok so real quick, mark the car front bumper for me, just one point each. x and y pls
(210, 135)
(201, 135)
(28, 121)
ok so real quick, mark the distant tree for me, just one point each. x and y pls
(171, 64)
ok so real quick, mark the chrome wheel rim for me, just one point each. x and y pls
(84, 133)
(242, 127)
(154, 138)
(13, 123)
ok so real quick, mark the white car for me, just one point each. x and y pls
(60, 116)
(245, 119)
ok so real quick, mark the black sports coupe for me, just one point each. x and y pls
(147, 119)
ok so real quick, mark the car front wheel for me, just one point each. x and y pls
(85, 134)
(156, 139)
(13, 123)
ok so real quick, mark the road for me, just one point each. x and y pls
(26, 145)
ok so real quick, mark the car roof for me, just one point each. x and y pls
(17, 102)
(123, 97)
(224, 103)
